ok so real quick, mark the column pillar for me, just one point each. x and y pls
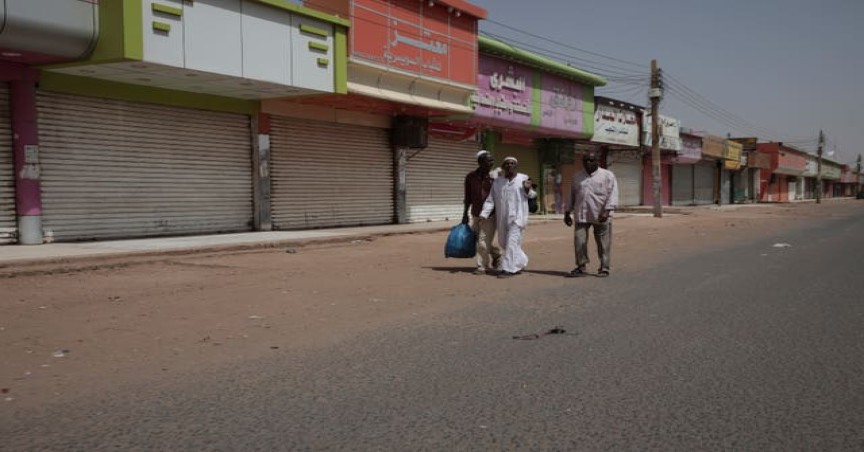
(25, 141)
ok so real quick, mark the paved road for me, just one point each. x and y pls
(755, 347)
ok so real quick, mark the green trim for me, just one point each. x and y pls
(491, 46)
(306, 28)
(340, 64)
(318, 46)
(165, 9)
(121, 33)
(123, 91)
(490, 139)
(536, 98)
(161, 26)
(282, 4)
(133, 29)
(588, 111)
(323, 61)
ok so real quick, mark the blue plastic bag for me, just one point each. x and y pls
(461, 243)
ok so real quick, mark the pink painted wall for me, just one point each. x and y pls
(648, 183)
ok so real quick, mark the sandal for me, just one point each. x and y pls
(576, 272)
(602, 273)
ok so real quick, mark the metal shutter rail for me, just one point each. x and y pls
(8, 223)
(682, 185)
(118, 169)
(327, 174)
(628, 173)
(435, 180)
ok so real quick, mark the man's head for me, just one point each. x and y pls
(485, 161)
(590, 162)
(509, 165)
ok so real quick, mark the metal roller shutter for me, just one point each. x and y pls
(682, 185)
(435, 179)
(627, 167)
(703, 182)
(327, 174)
(118, 169)
(725, 186)
(8, 224)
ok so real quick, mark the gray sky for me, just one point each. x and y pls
(776, 69)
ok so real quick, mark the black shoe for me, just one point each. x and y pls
(576, 272)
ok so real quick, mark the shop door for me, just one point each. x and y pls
(792, 189)
(435, 179)
(8, 224)
(682, 185)
(117, 169)
(528, 157)
(703, 183)
(327, 174)
(627, 167)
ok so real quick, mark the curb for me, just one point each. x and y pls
(126, 258)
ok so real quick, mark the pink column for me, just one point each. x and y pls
(28, 199)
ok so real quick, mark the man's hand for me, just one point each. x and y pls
(603, 217)
(465, 219)
(567, 220)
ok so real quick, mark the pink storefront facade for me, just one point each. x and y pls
(788, 165)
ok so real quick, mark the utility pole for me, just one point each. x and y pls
(654, 93)
(858, 178)
(819, 169)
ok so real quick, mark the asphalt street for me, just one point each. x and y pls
(759, 346)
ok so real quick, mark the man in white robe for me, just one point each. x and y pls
(509, 199)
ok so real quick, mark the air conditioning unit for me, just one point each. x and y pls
(410, 132)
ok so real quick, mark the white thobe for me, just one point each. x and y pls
(592, 194)
(510, 202)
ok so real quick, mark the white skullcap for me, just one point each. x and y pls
(510, 158)
(482, 153)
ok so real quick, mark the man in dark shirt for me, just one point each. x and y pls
(478, 184)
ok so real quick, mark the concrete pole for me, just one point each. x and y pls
(819, 169)
(654, 94)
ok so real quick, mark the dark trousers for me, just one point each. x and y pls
(603, 238)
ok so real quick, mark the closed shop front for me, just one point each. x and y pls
(327, 174)
(704, 175)
(119, 169)
(8, 226)
(725, 186)
(528, 157)
(435, 177)
(682, 185)
(627, 167)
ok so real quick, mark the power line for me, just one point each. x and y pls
(641, 66)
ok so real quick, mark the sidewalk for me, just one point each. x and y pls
(58, 253)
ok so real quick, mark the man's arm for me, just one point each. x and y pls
(466, 200)
(571, 200)
(489, 204)
(611, 199)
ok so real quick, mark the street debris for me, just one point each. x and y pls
(255, 317)
(782, 245)
(114, 298)
(291, 251)
(554, 330)
(60, 353)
